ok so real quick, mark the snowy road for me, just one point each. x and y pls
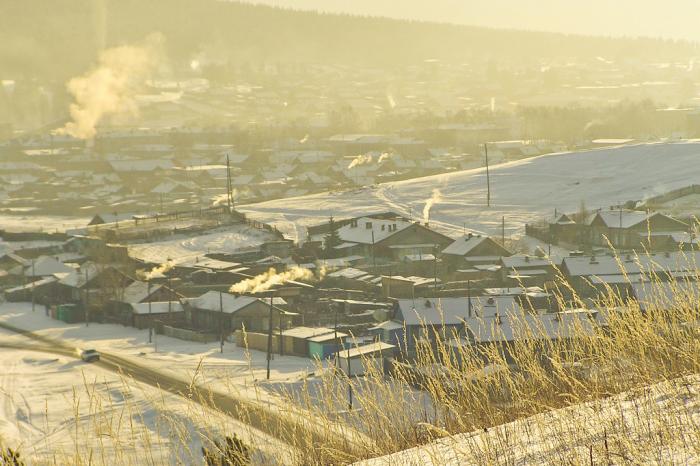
(521, 192)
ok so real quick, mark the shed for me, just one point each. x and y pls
(358, 360)
(325, 346)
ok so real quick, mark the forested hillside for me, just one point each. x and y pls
(59, 38)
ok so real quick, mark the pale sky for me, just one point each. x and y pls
(654, 18)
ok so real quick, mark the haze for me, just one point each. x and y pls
(598, 17)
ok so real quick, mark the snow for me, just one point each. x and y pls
(46, 223)
(235, 371)
(626, 429)
(52, 407)
(522, 191)
(223, 240)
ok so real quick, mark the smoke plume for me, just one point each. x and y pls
(434, 199)
(360, 160)
(158, 271)
(267, 280)
(110, 88)
(384, 157)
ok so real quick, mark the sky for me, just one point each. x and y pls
(654, 18)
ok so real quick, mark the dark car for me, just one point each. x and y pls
(90, 355)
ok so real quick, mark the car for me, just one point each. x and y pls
(90, 355)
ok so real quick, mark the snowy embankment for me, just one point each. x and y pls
(656, 425)
(521, 192)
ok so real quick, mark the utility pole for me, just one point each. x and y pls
(488, 176)
(221, 323)
(33, 286)
(87, 309)
(469, 298)
(349, 382)
(269, 339)
(229, 194)
(374, 256)
(335, 330)
(503, 231)
(435, 272)
(150, 314)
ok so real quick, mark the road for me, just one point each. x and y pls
(287, 427)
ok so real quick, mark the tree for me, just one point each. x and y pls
(332, 239)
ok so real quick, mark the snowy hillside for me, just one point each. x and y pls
(626, 429)
(522, 191)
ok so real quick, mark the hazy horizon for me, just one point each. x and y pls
(598, 17)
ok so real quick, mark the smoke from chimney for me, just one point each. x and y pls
(110, 88)
(434, 199)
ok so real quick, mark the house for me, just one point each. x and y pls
(310, 342)
(147, 315)
(216, 310)
(473, 250)
(528, 270)
(386, 238)
(587, 273)
(115, 217)
(427, 319)
(627, 229)
(503, 330)
(359, 360)
(666, 296)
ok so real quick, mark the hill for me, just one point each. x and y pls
(522, 192)
(64, 41)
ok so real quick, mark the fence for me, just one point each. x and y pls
(188, 335)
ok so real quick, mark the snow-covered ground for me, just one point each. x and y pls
(234, 369)
(222, 240)
(656, 425)
(522, 191)
(45, 223)
(54, 409)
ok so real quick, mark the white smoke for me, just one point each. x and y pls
(434, 199)
(159, 271)
(267, 280)
(360, 160)
(384, 157)
(110, 87)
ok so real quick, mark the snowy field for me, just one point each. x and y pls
(522, 191)
(54, 408)
(228, 239)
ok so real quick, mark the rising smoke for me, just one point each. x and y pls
(110, 88)
(360, 160)
(158, 271)
(434, 199)
(267, 280)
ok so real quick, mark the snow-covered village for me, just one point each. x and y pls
(235, 233)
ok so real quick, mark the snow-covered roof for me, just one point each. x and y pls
(157, 307)
(666, 295)
(463, 245)
(139, 291)
(453, 311)
(365, 350)
(306, 332)
(44, 266)
(141, 165)
(215, 301)
(512, 327)
(361, 231)
(632, 264)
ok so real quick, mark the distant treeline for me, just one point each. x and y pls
(59, 38)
